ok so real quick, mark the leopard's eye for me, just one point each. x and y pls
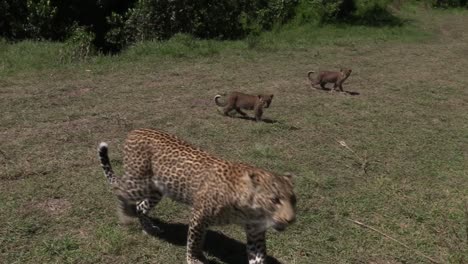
(276, 200)
(293, 200)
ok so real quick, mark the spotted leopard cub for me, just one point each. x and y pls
(219, 192)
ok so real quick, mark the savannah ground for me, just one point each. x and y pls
(406, 126)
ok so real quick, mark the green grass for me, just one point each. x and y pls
(408, 124)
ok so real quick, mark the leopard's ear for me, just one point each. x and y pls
(290, 176)
(259, 96)
(271, 96)
(252, 178)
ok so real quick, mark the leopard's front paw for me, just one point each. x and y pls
(196, 260)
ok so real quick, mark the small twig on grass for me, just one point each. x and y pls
(394, 239)
(7, 159)
(363, 161)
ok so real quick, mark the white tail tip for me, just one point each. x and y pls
(103, 145)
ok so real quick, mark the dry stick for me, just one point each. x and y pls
(391, 238)
(7, 159)
(4, 154)
(364, 161)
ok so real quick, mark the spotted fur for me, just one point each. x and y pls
(237, 101)
(220, 192)
(324, 77)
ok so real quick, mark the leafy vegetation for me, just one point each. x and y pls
(117, 25)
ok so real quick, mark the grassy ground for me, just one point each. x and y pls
(405, 172)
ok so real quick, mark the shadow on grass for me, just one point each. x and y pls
(269, 121)
(377, 17)
(266, 120)
(352, 93)
(329, 89)
(222, 247)
(374, 15)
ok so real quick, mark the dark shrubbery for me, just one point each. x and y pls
(114, 25)
(56, 19)
(161, 19)
(450, 3)
(366, 12)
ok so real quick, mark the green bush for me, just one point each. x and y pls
(445, 3)
(263, 15)
(317, 11)
(375, 13)
(78, 47)
(450, 3)
(368, 12)
(39, 19)
(12, 19)
(117, 24)
(162, 19)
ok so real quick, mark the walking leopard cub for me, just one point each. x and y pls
(237, 101)
(335, 77)
(219, 192)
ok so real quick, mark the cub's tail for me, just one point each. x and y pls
(105, 163)
(309, 73)
(217, 102)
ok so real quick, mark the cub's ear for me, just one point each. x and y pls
(259, 96)
(271, 96)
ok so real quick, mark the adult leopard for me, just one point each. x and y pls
(220, 192)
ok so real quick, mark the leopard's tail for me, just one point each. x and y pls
(217, 102)
(126, 208)
(309, 73)
(105, 163)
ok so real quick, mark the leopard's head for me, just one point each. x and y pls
(265, 99)
(272, 197)
(346, 71)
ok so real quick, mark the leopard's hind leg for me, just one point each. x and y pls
(135, 192)
(143, 209)
(138, 199)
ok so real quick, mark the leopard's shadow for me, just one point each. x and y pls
(218, 245)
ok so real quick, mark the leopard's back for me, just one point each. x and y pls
(172, 166)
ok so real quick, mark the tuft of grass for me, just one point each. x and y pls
(28, 55)
(261, 151)
(110, 239)
(179, 46)
(59, 247)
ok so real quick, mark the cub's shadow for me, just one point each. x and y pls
(352, 93)
(345, 92)
(266, 120)
(222, 247)
(280, 124)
